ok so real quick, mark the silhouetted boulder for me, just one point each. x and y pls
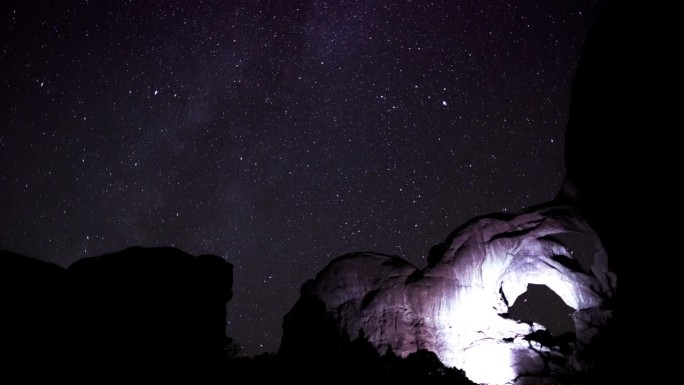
(150, 307)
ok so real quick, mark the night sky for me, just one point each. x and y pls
(277, 134)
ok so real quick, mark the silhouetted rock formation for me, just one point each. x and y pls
(457, 306)
(158, 315)
(143, 307)
(33, 320)
(156, 312)
(603, 141)
(618, 127)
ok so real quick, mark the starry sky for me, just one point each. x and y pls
(277, 134)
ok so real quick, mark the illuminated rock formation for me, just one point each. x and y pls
(457, 306)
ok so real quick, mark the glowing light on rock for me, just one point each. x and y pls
(488, 362)
(457, 306)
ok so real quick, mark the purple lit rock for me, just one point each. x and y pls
(457, 306)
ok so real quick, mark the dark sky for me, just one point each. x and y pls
(277, 134)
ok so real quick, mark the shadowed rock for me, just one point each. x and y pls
(143, 307)
(155, 312)
(33, 319)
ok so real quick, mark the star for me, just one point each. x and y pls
(309, 130)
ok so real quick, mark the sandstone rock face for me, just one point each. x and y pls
(457, 306)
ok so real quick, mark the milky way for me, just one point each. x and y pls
(277, 134)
